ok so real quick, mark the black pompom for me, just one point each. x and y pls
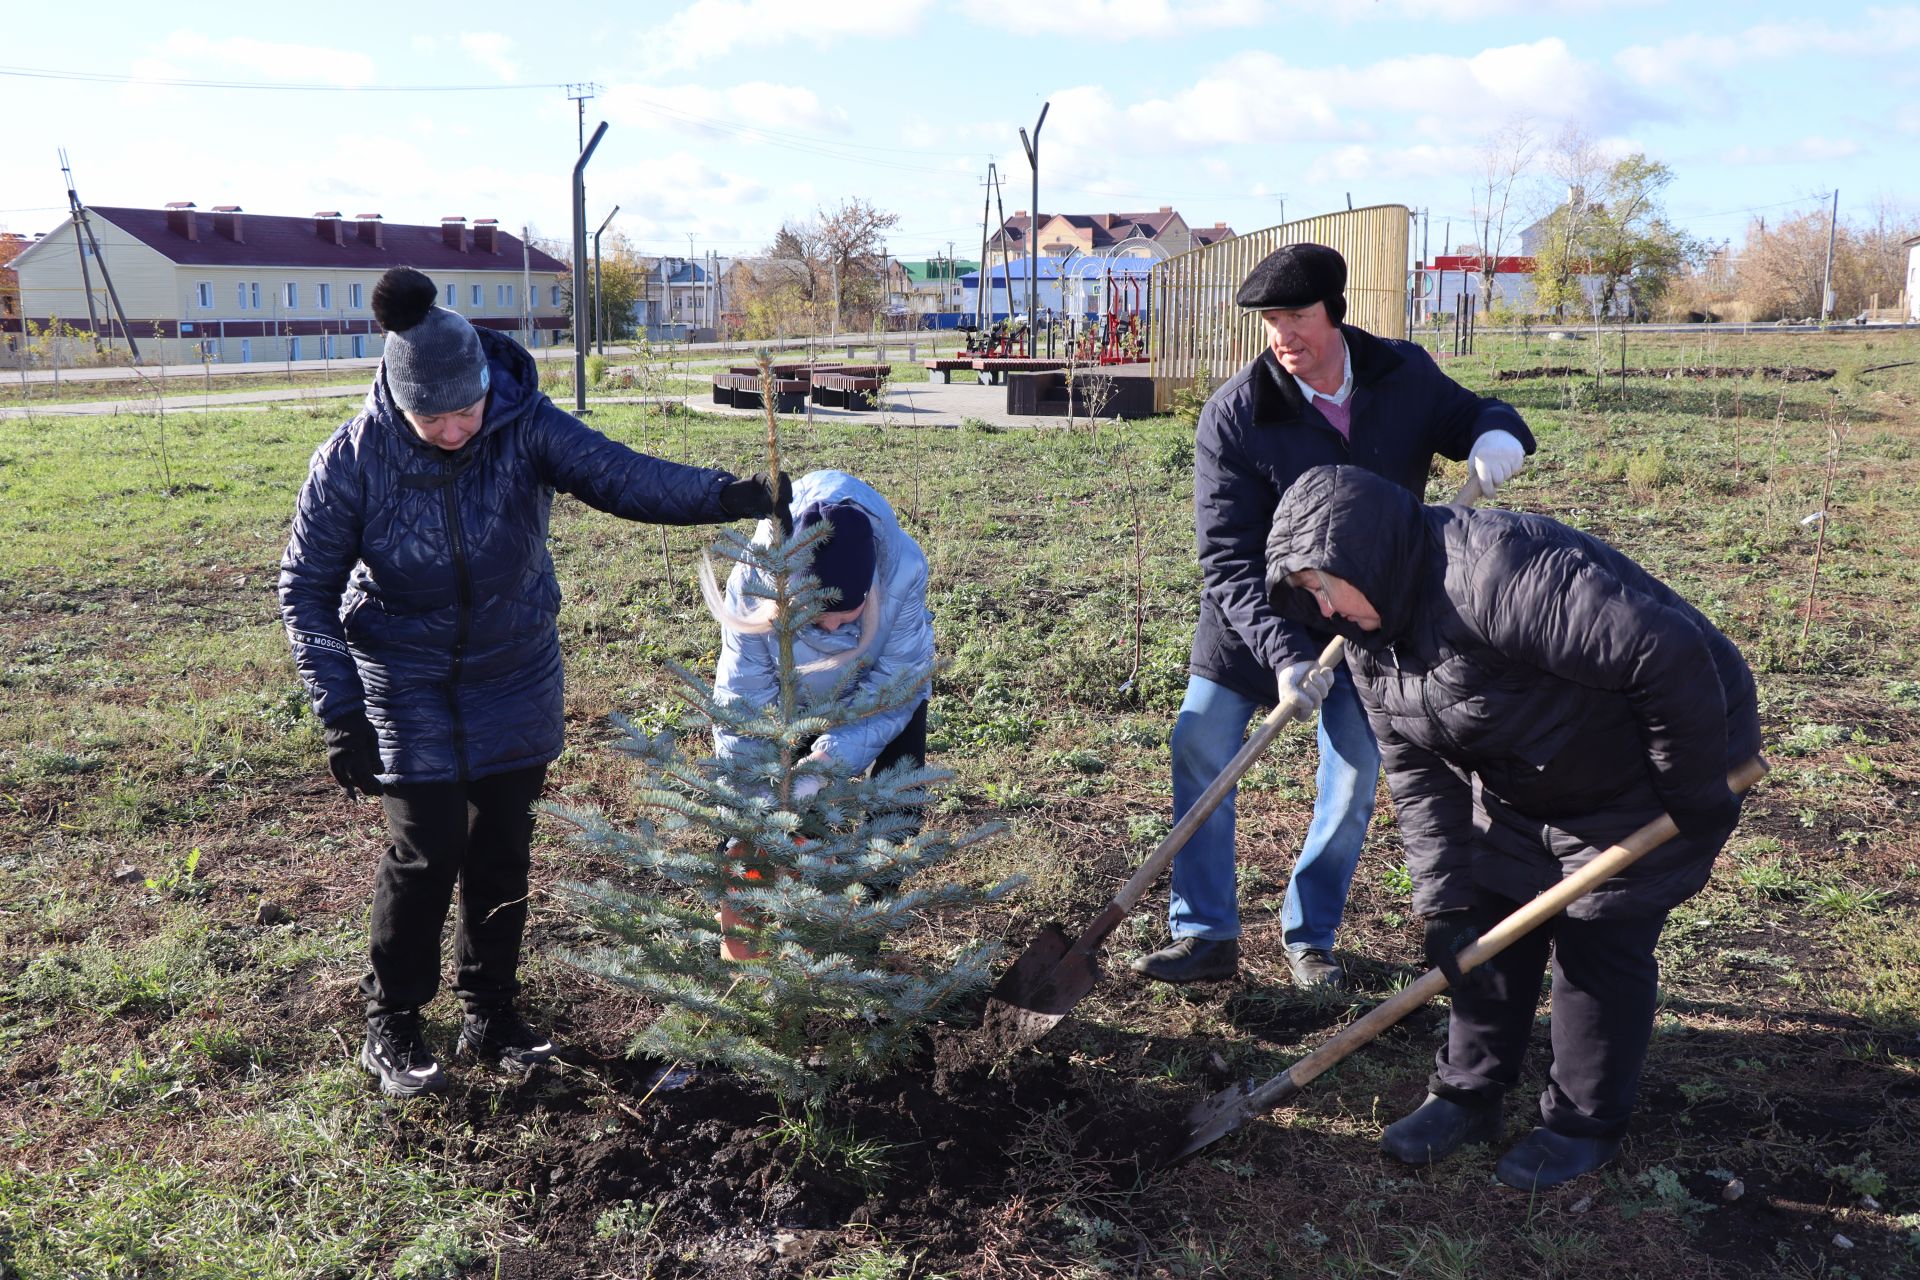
(402, 299)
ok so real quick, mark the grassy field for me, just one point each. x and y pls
(183, 889)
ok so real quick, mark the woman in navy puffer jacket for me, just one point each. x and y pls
(421, 604)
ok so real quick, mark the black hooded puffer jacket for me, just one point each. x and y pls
(417, 583)
(1536, 694)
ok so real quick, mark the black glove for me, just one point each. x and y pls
(1710, 821)
(1447, 933)
(755, 498)
(353, 753)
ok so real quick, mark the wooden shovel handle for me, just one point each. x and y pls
(1330, 657)
(1491, 943)
(1289, 708)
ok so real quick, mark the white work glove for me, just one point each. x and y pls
(806, 786)
(1308, 682)
(1496, 457)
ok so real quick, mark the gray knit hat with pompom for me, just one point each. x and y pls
(433, 360)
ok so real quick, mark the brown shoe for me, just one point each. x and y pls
(1316, 967)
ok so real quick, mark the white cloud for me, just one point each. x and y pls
(1480, 10)
(268, 60)
(1681, 61)
(1810, 148)
(489, 49)
(1114, 19)
(1259, 97)
(723, 112)
(1424, 162)
(707, 29)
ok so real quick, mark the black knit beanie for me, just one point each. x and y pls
(433, 361)
(844, 561)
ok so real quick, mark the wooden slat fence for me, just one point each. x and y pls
(1198, 331)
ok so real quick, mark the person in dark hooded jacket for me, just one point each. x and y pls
(421, 604)
(1322, 392)
(1536, 696)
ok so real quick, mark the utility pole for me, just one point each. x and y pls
(80, 226)
(526, 283)
(1826, 284)
(599, 313)
(986, 215)
(580, 269)
(1033, 228)
(579, 94)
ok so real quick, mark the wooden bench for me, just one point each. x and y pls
(746, 391)
(997, 367)
(945, 368)
(846, 390)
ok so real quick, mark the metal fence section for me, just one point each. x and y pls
(1198, 331)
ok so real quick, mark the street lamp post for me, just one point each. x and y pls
(1033, 227)
(580, 268)
(599, 313)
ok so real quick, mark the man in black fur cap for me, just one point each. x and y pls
(421, 603)
(1322, 392)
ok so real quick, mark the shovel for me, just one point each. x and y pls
(1056, 972)
(1229, 1109)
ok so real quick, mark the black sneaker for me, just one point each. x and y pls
(502, 1038)
(397, 1054)
(1316, 967)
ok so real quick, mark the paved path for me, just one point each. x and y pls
(918, 404)
(909, 404)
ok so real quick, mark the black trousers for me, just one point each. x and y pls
(910, 744)
(476, 836)
(1605, 987)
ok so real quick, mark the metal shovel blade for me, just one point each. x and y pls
(1226, 1111)
(1034, 994)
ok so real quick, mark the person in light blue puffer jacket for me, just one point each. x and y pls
(881, 575)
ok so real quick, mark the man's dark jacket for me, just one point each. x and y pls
(1257, 434)
(417, 583)
(1536, 694)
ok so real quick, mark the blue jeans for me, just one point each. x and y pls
(1210, 731)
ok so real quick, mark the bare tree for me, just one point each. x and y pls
(1575, 165)
(1505, 155)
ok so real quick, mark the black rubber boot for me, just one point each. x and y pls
(1438, 1127)
(1192, 960)
(1545, 1159)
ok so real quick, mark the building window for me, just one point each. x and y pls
(293, 296)
(293, 348)
(203, 293)
(243, 296)
(326, 297)
(246, 350)
(326, 346)
(505, 295)
(359, 343)
(556, 295)
(253, 291)
(453, 295)
(479, 293)
(353, 296)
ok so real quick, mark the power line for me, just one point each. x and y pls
(106, 77)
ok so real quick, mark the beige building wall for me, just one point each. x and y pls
(153, 287)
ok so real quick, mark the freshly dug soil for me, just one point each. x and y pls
(718, 1187)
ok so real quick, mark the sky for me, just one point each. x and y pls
(727, 118)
